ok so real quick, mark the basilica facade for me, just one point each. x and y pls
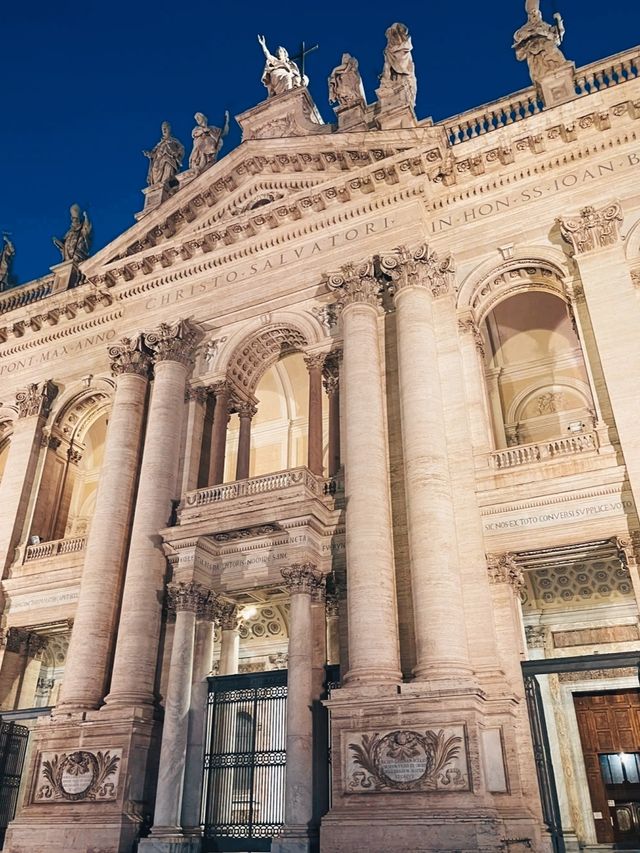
(319, 484)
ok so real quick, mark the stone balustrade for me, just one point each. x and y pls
(608, 72)
(17, 297)
(255, 486)
(527, 454)
(46, 550)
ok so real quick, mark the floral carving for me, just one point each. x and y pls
(173, 342)
(130, 356)
(36, 399)
(592, 228)
(355, 284)
(187, 596)
(419, 267)
(503, 568)
(80, 775)
(302, 577)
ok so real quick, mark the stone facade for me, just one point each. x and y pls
(392, 367)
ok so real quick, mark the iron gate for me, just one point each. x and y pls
(13, 747)
(244, 765)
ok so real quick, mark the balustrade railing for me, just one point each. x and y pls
(25, 294)
(255, 486)
(527, 454)
(608, 72)
(44, 550)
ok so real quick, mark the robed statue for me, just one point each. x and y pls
(345, 84)
(207, 142)
(281, 74)
(75, 244)
(165, 158)
(399, 72)
(539, 42)
(6, 260)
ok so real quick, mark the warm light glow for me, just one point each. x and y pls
(249, 612)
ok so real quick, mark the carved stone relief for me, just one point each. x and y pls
(78, 776)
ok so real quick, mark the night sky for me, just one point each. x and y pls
(87, 85)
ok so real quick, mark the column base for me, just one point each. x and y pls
(89, 784)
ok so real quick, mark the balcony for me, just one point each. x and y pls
(532, 454)
(47, 550)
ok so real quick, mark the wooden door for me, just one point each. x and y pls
(609, 723)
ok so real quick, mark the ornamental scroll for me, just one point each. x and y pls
(80, 776)
(406, 760)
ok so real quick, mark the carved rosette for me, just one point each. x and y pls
(190, 596)
(229, 616)
(355, 284)
(303, 578)
(592, 229)
(503, 568)
(130, 356)
(36, 399)
(173, 342)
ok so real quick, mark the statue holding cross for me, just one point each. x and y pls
(281, 73)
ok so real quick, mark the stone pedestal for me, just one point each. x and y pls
(352, 117)
(558, 86)
(66, 276)
(154, 196)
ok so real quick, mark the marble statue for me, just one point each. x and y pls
(539, 42)
(165, 158)
(345, 83)
(207, 142)
(75, 244)
(6, 259)
(398, 72)
(281, 74)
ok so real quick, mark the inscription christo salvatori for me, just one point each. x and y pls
(76, 776)
(406, 760)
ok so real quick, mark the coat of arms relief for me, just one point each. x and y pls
(78, 776)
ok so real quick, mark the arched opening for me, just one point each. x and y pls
(535, 370)
(75, 518)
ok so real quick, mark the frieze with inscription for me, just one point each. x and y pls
(406, 760)
(77, 776)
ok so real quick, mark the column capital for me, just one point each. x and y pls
(592, 229)
(245, 408)
(468, 326)
(229, 616)
(130, 355)
(36, 399)
(189, 595)
(333, 604)
(199, 393)
(536, 636)
(315, 360)
(419, 267)
(303, 577)
(173, 342)
(628, 548)
(36, 644)
(503, 568)
(220, 388)
(331, 372)
(355, 284)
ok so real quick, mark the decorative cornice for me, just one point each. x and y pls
(592, 229)
(173, 342)
(503, 568)
(130, 356)
(36, 399)
(303, 578)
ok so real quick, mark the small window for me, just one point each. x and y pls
(620, 768)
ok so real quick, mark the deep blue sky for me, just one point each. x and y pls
(87, 84)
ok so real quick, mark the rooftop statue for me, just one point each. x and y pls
(207, 142)
(281, 74)
(6, 259)
(165, 158)
(75, 244)
(399, 71)
(539, 42)
(345, 83)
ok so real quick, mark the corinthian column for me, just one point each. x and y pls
(132, 682)
(184, 599)
(371, 595)
(32, 406)
(314, 449)
(93, 635)
(229, 639)
(246, 412)
(331, 381)
(302, 580)
(221, 413)
(614, 310)
(441, 653)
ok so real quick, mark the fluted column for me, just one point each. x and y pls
(206, 616)
(132, 682)
(246, 412)
(371, 596)
(314, 448)
(221, 414)
(229, 639)
(331, 381)
(93, 635)
(32, 406)
(441, 653)
(302, 580)
(184, 599)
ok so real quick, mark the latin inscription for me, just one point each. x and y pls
(550, 517)
(61, 351)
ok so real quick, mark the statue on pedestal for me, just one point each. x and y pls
(75, 244)
(165, 158)
(207, 142)
(539, 43)
(281, 74)
(6, 259)
(398, 74)
(345, 84)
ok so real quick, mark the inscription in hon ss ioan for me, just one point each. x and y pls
(406, 760)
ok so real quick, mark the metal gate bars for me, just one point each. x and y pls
(13, 747)
(244, 765)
